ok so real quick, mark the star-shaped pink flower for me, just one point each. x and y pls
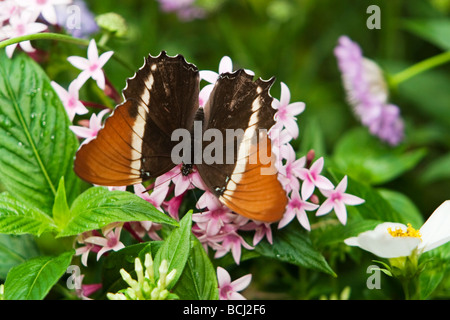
(287, 111)
(110, 241)
(92, 66)
(213, 220)
(297, 208)
(21, 25)
(231, 241)
(287, 174)
(45, 7)
(69, 99)
(337, 199)
(262, 229)
(95, 124)
(311, 178)
(229, 290)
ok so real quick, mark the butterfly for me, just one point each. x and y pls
(136, 142)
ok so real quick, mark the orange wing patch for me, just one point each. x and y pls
(112, 158)
(255, 191)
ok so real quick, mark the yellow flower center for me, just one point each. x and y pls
(410, 232)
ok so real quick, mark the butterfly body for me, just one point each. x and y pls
(137, 140)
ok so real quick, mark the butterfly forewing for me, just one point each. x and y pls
(248, 185)
(135, 143)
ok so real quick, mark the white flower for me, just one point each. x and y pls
(393, 240)
(225, 65)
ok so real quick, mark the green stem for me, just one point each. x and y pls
(405, 286)
(419, 67)
(64, 38)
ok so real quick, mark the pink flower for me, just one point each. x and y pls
(88, 247)
(311, 178)
(208, 200)
(142, 192)
(44, 7)
(262, 229)
(297, 208)
(280, 139)
(337, 199)
(69, 99)
(20, 25)
(288, 173)
(212, 242)
(95, 124)
(213, 220)
(8, 8)
(183, 182)
(173, 206)
(287, 111)
(110, 241)
(231, 241)
(92, 66)
(142, 228)
(229, 290)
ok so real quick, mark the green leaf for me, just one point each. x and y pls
(312, 138)
(97, 207)
(404, 207)
(437, 170)
(365, 158)
(294, 246)
(33, 279)
(436, 31)
(15, 250)
(17, 217)
(176, 249)
(337, 233)
(435, 267)
(61, 212)
(198, 280)
(36, 145)
(435, 84)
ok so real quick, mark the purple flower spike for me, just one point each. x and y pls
(367, 92)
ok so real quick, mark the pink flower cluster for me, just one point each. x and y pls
(90, 68)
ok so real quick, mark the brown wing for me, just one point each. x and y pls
(135, 143)
(249, 184)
